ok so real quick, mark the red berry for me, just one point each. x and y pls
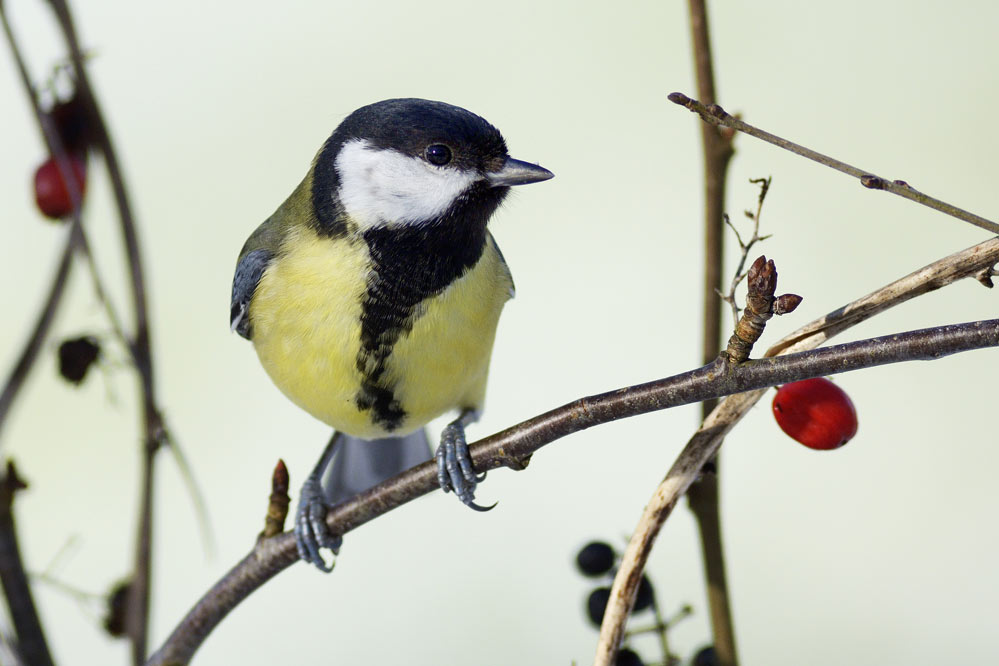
(816, 413)
(51, 193)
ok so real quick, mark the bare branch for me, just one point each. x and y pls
(716, 145)
(41, 330)
(74, 237)
(717, 116)
(514, 446)
(746, 247)
(706, 441)
(30, 639)
(139, 346)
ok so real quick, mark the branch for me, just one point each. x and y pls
(155, 435)
(718, 151)
(41, 330)
(706, 441)
(717, 116)
(514, 446)
(716, 144)
(34, 345)
(745, 246)
(31, 644)
(139, 347)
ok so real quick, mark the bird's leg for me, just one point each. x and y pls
(454, 462)
(311, 532)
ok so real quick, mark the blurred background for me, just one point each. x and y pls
(882, 551)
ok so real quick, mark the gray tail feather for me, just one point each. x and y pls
(362, 463)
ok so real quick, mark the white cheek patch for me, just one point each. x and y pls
(381, 187)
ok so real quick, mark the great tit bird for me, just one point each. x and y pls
(373, 293)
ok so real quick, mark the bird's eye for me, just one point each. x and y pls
(438, 154)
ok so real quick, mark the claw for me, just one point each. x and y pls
(454, 464)
(478, 507)
(311, 532)
(443, 479)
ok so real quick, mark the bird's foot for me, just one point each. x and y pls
(454, 466)
(311, 532)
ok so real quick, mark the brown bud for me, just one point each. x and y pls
(786, 303)
(762, 278)
(277, 507)
(716, 111)
(679, 98)
(872, 182)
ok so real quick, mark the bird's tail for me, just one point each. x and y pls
(360, 464)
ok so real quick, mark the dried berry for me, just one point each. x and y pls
(76, 355)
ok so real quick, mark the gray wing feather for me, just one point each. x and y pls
(250, 268)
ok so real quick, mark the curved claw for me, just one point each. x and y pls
(478, 507)
(311, 532)
(454, 466)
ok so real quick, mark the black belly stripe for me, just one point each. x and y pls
(409, 265)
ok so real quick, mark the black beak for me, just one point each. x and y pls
(515, 172)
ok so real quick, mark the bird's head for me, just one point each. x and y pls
(411, 162)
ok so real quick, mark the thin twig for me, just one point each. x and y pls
(101, 292)
(662, 623)
(663, 633)
(514, 446)
(138, 598)
(745, 247)
(715, 115)
(717, 149)
(53, 143)
(74, 236)
(716, 144)
(17, 591)
(706, 441)
(36, 340)
(31, 643)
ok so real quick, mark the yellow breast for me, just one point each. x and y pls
(306, 315)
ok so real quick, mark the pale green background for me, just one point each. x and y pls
(883, 552)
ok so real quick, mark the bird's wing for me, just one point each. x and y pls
(506, 268)
(250, 268)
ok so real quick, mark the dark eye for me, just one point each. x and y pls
(438, 154)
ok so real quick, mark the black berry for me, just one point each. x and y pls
(595, 558)
(705, 657)
(626, 657)
(596, 604)
(643, 599)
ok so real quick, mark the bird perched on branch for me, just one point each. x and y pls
(373, 293)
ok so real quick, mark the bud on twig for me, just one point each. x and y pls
(277, 508)
(761, 305)
(786, 304)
